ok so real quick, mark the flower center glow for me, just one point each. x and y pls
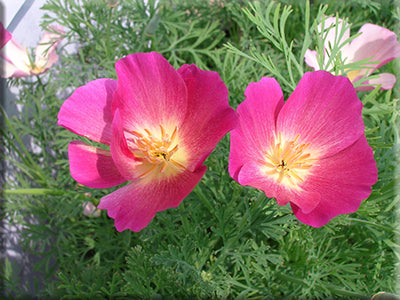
(288, 161)
(156, 152)
(353, 74)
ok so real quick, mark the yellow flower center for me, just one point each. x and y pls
(36, 69)
(289, 162)
(157, 151)
(353, 74)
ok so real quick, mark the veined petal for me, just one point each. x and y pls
(124, 159)
(386, 80)
(150, 92)
(87, 112)
(343, 180)
(45, 51)
(256, 128)
(135, 205)
(209, 116)
(325, 111)
(93, 167)
(377, 42)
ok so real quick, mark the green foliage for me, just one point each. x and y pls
(224, 240)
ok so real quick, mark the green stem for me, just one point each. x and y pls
(34, 191)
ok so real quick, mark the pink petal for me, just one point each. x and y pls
(45, 51)
(87, 112)
(386, 80)
(256, 128)
(311, 60)
(209, 116)
(135, 205)
(343, 180)
(325, 111)
(150, 92)
(93, 167)
(332, 32)
(124, 159)
(14, 59)
(377, 42)
(5, 36)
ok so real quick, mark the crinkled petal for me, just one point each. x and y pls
(87, 112)
(209, 116)
(325, 111)
(135, 205)
(377, 42)
(150, 92)
(385, 80)
(256, 128)
(343, 181)
(93, 167)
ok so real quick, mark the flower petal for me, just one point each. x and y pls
(150, 92)
(377, 42)
(325, 111)
(343, 180)
(311, 60)
(209, 116)
(135, 205)
(5, 35)
(87, 112)
(256, 128)
(332, 31)
(124, 159)
(45, 51)
(385, 80)
(14, 58)
(93, 167)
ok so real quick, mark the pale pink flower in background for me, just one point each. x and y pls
(16, 60)
(310, 151)
(376, 44)
(90, 210)
(160, 125)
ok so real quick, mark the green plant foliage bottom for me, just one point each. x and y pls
(224, 240)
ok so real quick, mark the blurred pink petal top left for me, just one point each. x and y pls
(16, 60)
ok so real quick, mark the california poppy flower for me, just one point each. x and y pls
(17, 61)
(375, 44)
(310, 151)
(160, 125)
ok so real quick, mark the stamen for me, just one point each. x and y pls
(156, 150)
(288, 162)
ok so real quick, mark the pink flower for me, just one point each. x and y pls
(160, 124)
(90, 210)
(309, 151)
(17, 61)
(376, 44)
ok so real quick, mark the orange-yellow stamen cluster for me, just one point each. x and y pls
(156, 151)
(288, 162)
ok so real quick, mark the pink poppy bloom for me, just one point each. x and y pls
(16, 59)
(376, 44)
(160, 124)
(309, 151)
